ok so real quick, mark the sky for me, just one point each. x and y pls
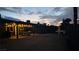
(49, 15)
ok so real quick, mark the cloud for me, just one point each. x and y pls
(56, 12)
(56, 9)
(26, 11)
(30, 13)
(5, 9)
(39, 12)
(11, 9)
(68, 13)
(46, 17)
(17, 10)
(42, 13)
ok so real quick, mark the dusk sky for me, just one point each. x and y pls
(49, 15)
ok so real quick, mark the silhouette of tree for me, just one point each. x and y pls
(28, 21)
(65, 24)
(38, 22)
(3, 32)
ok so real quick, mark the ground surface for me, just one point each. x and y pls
(37, 42)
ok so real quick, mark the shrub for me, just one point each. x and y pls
(5, 34)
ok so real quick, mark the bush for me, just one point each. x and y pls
(5, 34)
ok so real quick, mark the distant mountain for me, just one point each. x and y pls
(10, 18)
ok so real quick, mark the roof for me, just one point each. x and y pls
(8, 21)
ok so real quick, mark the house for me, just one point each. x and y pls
(11, 26)
(15, 26)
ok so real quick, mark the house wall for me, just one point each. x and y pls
(12, 27)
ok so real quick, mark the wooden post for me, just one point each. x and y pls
(17, 31)
(59, 32)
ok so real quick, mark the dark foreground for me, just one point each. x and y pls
(35, 42)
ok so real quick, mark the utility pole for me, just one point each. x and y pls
(0, 18)
(0, 21)
(75, 18)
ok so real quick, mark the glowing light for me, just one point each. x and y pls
(59, 23)
(13, 24)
